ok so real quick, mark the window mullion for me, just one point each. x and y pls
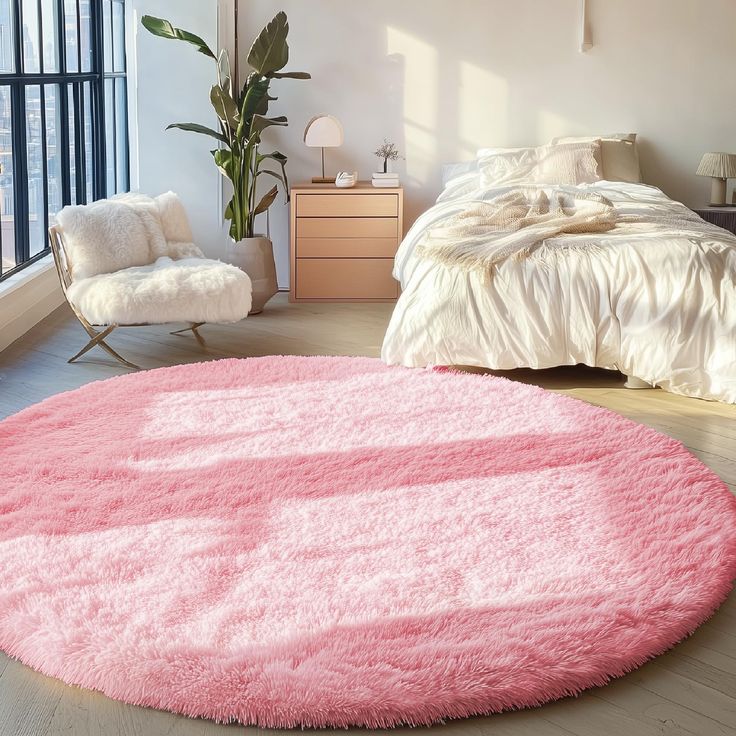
(80, 148)
(18, 116)
(20, 170)
(18, 46)
(98, 102)
(79, 37)
(41, 60)
(114, 132)
(61, 36)
(45, 160)
(62, 135)
(64, 141)
(112, 38)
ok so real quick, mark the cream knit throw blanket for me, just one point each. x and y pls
(513, 226)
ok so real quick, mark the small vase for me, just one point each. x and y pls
(255, 257)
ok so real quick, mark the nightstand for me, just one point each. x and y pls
(343, 242)
(724, 217)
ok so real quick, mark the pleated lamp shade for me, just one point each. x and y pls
(719, 165)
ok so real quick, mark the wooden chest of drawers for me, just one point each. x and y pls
(343, 242)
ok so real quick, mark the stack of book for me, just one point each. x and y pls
(385, 180)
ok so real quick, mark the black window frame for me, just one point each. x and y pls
(70, 94)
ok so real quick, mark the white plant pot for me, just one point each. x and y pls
(255, 257)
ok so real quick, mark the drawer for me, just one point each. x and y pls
(347, 227)
(347, 205)
(346, 247)
(345, 278)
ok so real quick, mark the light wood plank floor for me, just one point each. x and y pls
(689, 691)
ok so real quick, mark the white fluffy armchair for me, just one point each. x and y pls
(130, 261)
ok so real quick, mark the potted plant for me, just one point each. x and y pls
(242, 115)
(388, 152)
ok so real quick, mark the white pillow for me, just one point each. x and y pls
(504, 166)
(127, 230)
(106, 236)
(619, 155)
(173, 221)
(170, 211)
(574, 163)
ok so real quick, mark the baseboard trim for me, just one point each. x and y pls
(26, 298)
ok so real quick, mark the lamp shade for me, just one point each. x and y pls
(324, 131)
(718, 165)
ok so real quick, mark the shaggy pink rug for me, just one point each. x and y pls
(327, 541)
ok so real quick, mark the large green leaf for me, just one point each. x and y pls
(224, 161)
(225, 107)
(270, 52)
(252, 77)
(196, 128)
(267, 201)
(255, 102)
(274, 156)
(260, 123)
(289, 75)
(163, 29)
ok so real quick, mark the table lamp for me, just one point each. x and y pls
(720, 167)
(324, 131)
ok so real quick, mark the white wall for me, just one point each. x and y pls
(443, 78)
(170, 83)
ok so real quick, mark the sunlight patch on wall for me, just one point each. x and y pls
(420, 100)
(552, 124)
(482, 110)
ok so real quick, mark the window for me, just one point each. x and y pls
(63, 115)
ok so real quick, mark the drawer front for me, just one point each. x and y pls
(347, 205)
(347, 227)
(345, 278)
(346, 247)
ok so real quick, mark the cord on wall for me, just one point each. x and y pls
(586, 39)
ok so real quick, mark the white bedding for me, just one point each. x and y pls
(654, 298)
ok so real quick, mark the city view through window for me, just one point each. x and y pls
(63, 115)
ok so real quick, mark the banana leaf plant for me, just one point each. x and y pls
(243, 117)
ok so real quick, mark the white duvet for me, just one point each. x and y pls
(654, 298)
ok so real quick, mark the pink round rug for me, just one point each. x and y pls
(331, 542)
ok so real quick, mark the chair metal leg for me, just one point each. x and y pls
(98, 338)
(56, 241)
(118, 357)
(194, 330)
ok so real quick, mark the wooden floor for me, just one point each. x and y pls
(691, 690)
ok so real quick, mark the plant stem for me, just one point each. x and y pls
(249, 193)
(254, 173)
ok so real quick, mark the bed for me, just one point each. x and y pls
(653, 295)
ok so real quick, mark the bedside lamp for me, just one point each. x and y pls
(324, 131)
(720, 167)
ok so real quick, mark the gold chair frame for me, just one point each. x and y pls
(98, 333)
